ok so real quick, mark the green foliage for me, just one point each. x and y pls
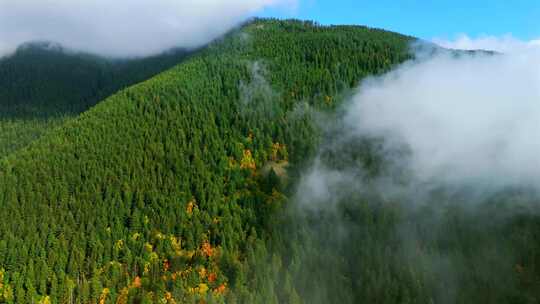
(16, 133)
(178, 189)
(145, 196)
(42, 85)
(41, 80)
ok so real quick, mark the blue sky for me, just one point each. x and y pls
(427, 19)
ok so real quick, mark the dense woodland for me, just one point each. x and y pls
(42, 85)
(183, 189)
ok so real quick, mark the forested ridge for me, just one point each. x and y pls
(42, 85)
(182, 189)
(158, 193)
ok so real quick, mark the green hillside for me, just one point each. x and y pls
(183, 189)
(42, 86)
(159, 192)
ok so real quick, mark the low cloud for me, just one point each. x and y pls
(464, 125)
(123, 28)
(471, 119)
(502, 44)
(417, 169)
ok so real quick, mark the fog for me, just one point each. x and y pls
(424, 172)
(502, 44)
(469, 119)
(467, 124)
(123, 28)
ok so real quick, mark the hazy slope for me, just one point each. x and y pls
(157, 193)
(43, 79)
(42, 85)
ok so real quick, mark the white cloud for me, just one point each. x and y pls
(467, 120)
(122, 27)
(502, 44)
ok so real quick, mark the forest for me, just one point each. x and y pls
(42, 85)
(178, 179)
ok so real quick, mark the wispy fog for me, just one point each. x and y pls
(463, 123)
(503, 44)
(465, 119)
(422, 171)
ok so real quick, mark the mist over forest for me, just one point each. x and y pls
(150, 156)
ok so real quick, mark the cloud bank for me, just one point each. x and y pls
(467, 125)
(503, 44)
(459, 135)
(122, 28)
(472, 120)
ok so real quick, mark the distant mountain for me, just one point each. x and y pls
(42, 85)
(43, 79)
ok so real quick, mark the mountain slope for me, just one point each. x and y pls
(159, 193)
(43, 79)
(42, 85)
